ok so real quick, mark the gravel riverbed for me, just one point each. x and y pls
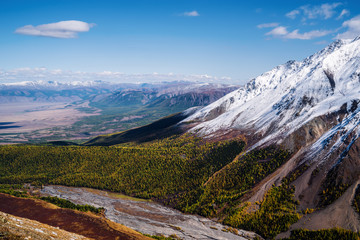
(146, 216)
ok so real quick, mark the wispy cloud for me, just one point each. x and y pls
(278, 31)
(282, 32)
(191, 14)
(323, 11)
(292, 14)
(343, 13)
(307, 35)
(62, 29)
(268, 25)
(353, 28)
(310, 12)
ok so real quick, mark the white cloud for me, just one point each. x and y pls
(62, 29)
(353, 28)
(292, 14)
(324, 11)
(327, 10)
(343, 13)
(306, 35)
(278, 31)
(282, 32)
(268, 25)
(191, 14)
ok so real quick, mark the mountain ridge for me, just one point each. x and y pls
(280, 85)
(310, 108)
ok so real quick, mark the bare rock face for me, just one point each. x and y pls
(306, 135)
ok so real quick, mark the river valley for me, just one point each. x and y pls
(146, 216)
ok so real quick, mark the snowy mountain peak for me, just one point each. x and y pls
(280, 101)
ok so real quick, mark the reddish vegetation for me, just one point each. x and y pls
(85, 224)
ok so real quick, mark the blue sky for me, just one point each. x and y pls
(220, 38)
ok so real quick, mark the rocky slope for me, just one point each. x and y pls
(309, 108)
(12, 227)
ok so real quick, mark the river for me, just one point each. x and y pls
(146, 216)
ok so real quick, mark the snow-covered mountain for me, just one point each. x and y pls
(282, 100)
(310, 108)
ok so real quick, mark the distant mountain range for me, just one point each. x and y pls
(168, 94)
(52, 91)
(109, 106)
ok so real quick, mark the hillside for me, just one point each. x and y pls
(11, 229)
(162, 128)
(171, 171)
(309, 108)
(35, 219)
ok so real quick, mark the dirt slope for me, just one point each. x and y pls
(338, 214)
(22, 228)
(85, 224)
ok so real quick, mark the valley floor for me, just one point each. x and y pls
(37, 120)
(146, 216)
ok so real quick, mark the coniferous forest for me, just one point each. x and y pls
(184, 172)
